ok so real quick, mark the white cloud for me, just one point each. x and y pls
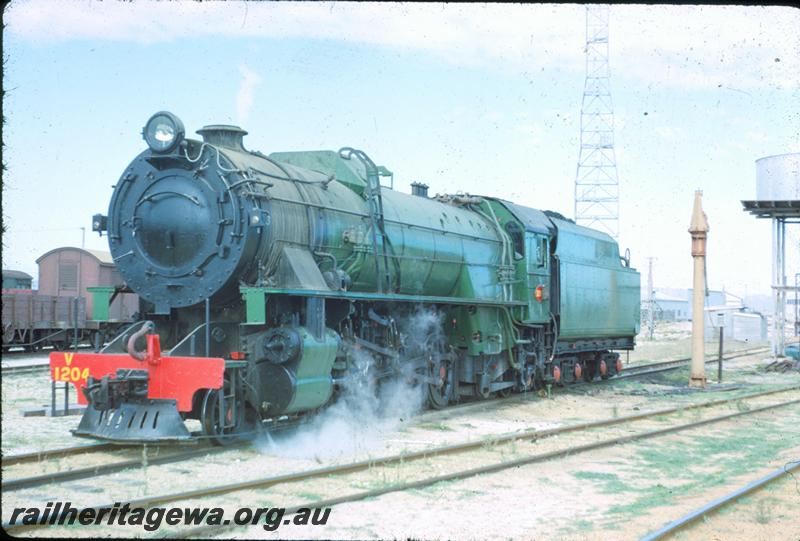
(244, 97)
(687, 46)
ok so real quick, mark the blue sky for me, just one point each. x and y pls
(477, 98)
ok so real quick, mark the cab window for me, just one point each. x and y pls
(537, 253)
(516, 235)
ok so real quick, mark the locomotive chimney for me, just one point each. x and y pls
(224, 135)
(419, 189)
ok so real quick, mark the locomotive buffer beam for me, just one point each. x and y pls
(132, 399)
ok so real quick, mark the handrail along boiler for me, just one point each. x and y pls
(270, 282)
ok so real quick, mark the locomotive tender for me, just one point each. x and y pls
(266, 279)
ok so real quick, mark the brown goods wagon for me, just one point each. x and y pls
(31, 319)
(69, 271)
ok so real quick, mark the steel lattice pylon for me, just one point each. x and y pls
(596, 182)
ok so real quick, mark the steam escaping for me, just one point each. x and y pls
(358, 422)
(244, 98)
(366, 413)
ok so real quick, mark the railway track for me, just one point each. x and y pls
(471, 472)
(629, 372)
(659, 366)
(492, 442)
(156, 458)
(150, 455)
(96, 470)
(679, 524)
(664, 366)
(49, 454)
(24, 368)
(22, 353)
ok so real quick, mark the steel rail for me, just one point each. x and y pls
(714, 505)
(650, 368)
(44, 349)
(455, 448)
(20, 483)
(37, 456)
(25, 368)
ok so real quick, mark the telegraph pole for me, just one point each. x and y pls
(651, 302)
(699, 231)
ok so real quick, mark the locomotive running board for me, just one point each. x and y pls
(156, 421)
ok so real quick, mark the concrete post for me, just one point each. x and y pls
(699, 231)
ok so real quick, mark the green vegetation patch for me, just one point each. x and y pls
(696, 464)
(692, 464)
(609, 483)
(435, 426)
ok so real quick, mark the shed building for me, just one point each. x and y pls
(671, 307)
(13, 279)
(741, 325)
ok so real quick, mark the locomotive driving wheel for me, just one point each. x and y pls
(441, 377)
(222, 431)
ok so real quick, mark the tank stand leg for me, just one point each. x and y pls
(549, 388)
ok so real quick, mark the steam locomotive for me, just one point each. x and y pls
(271, 282)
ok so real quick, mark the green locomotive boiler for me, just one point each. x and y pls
(272, 282)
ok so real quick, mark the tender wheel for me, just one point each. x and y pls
(221, 433)
(603, 368)
(589, 370)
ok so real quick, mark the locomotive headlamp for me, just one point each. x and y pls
(163, 132)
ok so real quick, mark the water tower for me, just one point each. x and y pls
(778, 198)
